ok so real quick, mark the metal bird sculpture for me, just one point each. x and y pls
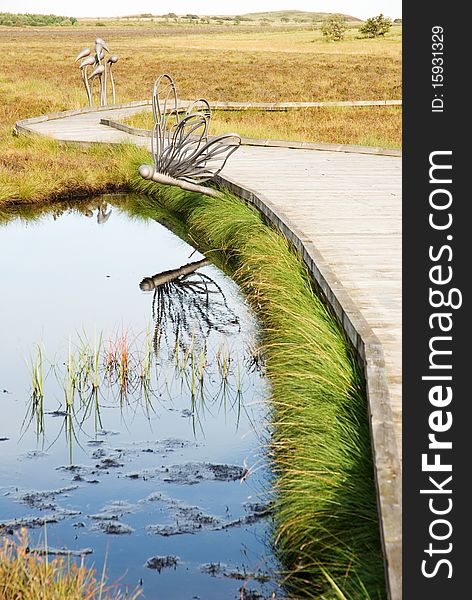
(101, 42)
(87, 62)
(101, 71)
(184, 155)
(113, 59)
(82, 54)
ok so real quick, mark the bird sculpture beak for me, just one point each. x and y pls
(82, 54)
(101, 42)
(98, 71)
(90, 60)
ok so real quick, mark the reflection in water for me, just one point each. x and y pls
(102, 214)
(113, 413)
(189, 306)
(127, 371)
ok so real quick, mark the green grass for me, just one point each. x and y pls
(326, 524)
(35, 170)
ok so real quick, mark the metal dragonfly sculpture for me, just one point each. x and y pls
(101, 70)
(184, 155)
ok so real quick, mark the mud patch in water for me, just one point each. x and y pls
(33, 521)
(193, 519)
(113, 511)
(42, 499)
(61, 552)
(192, 473)
(114, 528)
(159, 563)
(233, 572)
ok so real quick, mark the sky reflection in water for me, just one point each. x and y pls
(150, 457)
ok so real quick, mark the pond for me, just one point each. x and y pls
(134, 406)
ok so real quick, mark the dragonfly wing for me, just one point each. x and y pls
(180, 144)
(200, 106)
(185, 140)
(212, 157)
(164, 102)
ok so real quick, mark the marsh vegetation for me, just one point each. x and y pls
(325, 513)
(331, 125)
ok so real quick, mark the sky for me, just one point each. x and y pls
(112, 8)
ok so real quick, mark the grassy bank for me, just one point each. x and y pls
(27, 575)
(36, 170)
(325, 518)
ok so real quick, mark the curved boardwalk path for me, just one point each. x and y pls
(342, 209)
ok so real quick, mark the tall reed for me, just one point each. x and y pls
(36, 411)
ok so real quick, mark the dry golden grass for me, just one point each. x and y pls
(38, 76)
(365, 126)
(27, 576)
(264, 66)
(41, 169)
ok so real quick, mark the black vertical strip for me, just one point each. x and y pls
(437, 527)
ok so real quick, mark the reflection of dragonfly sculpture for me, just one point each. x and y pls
(184, 154)
(190, 304)
(129, 372)
(99, 64)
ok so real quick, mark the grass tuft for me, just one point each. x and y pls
(27, 575)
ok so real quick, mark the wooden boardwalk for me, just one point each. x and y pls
(343, 211)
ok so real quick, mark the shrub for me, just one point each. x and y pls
(32, 20)
(333, 28)
(376, 26)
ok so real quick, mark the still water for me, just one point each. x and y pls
(133, 405)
